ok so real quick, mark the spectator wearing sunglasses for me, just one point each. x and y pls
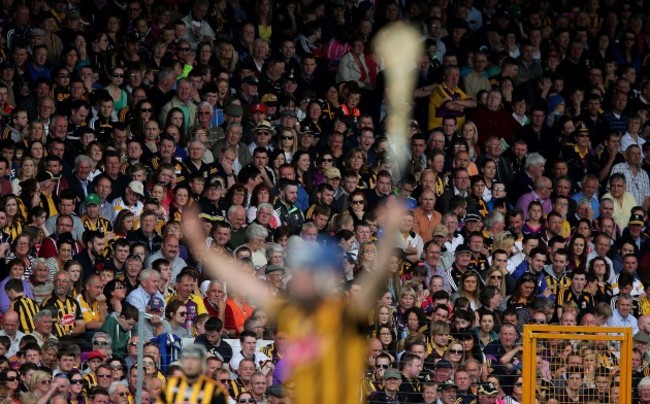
(11, 380)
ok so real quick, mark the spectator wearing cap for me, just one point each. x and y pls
(391, 393)
(248, 96)
(258, 114)
(182, 100)
(263, 134)
(275, 276)
(277, 394)
(635, 230)
(581, 158)
(131, 199)
(290, 91)
(462, 261)
(487, 393)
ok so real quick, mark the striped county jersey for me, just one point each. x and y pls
(26, 309)
(66, 312)
(325, 352)
(202, 391)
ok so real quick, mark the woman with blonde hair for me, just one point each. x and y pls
(42, 385)
(36, 131)
(227, 57)
(288, 143)
(455, 354)
(495, 277)
(469, 132)
(26, 171)
(407, 299)
(366, 258)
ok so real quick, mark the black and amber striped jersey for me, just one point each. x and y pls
(202, 391)
(26, 309)
(100, 224)
(584, 300)
(89, 381)
(326, 350)
(555, 283)
(65, 311)
(235, 388)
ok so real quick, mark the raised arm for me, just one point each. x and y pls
(220, 265)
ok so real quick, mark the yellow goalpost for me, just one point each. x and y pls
(534, 333)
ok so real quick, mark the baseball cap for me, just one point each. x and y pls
(269, 99)
(463, 248)
(36, 32)
(94, 354)
(273, 268)
(258, 108)
(214, 182)
(636, 219)
(443, 363)
(92, 199)
(264, 126)
(276, 390)
(155, 304)
(488, 389)
(251, 80)
(473, 217)
(642, 337)
(137, 187)
(332, 172)
(46, 175)
(392, 373)
(234, 110)
(440, 230)
(289, 112)
(447, 385)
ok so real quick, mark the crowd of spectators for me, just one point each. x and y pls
(526, 185)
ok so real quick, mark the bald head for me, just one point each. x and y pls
(10, 321)
(374, 347)
(644, 324)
